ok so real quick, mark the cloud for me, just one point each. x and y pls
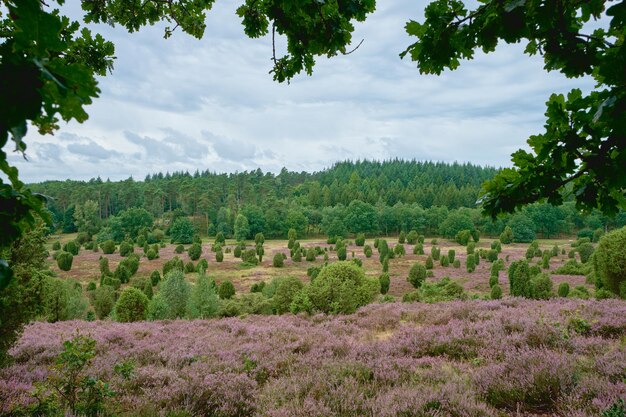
(92, 151)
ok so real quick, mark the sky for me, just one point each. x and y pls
(183, 104)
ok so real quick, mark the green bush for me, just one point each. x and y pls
(91, 286)
(545, 261)
(259, 238)
(341, 287)
(173, 264)
(278, 260)
(399, 250)
(108, 247)
(182, 231)
(131, 306)
(131, 262)
(194, 251)
(429, 262)
(411, 237)
(386, 265)
(72, 247)
(471, 247)
(492, 255)
(226, 290)
(470, 264)
(463, 237)
(219, 256)
(341, 253)
(443, 290)
(56, 245)
(175, 292)
(286, 290)
(202, 265)
(597, 235)
(155, 277)
(497, 246)
(418, 249)
(445, 261)
(456, 263)
(367, 250)
(494, 279)
(310, 254)
(190, 267)
(151, 254)
(519, 279)
(126, 249)
(451, 255)
(122, 273)
(249, 257)
(384, 282)
(435, 252)
(506, 236)
(496, 292)
(610, 261)
(313, 271)
(554, 251)
(563, 290)
(417, 274)
(203, 301)
(179, 249)
(585, 250)
(103, 301)
(64, 261)
(360, 239)
(257, 286)
(571, 254)
(572, 267)
(541, 287)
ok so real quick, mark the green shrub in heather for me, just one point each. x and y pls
(151, 254)
(108, 247)
(417, 275)
(202, 265)
(64, 261)
(476, 258)
(496, 245)
(519, 279)
(219, 256)
(456, 263)
(286, 290)
(563, 290)
(249, 257)
(310, 254)
(131, 262)
(585, 250)
(470, 264)
(72, 247)
(278, 260)
(190, 267)
(155, 277)
(384, 282)
(386, 265)
(103, 301)
(367, 250)
(444, 260)
(341, 253)
(260, 251)
(451, 255)
(383, 250)
(610, 262)
(435, 252)
(131, 306)
(411, 237)
(542, 287)
(429, 262)
(463, 237)
(492, 255)
(402, 237)
(173, 264)
(506, 236)
(496, 292)
(226, 290)
(147, 289)
(56, 245)
(126, 248)
(194, 251)
(175, 292)
(359, 240)
(443, 290)
(545, 261)
(203, 300)
(418, 249)
(471, 247)
(340, 288)
(399, 250)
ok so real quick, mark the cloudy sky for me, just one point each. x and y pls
(187, 104)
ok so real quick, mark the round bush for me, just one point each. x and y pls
(56, 245)
(360, 239)
(367, 250)
(195, 251)
(429, 262)
(237, 251)
(126, 249)
(417, 274)
(542, 287)
(190, 267)
(563, 290)
(384, 282)
(470, 264)
(418, 249)
(179, 249)
(226, 290)
(342, 254)
(457, 263)
(219, 256)
(278, 260)
(72, 247)
(411, 237)
(496, 292)
(310, 255)
(286, 290)
(585, 250)
(131, 306)
(151, 254)
(203, 265)
(610, 261)
(155, 277)
(445, 261)
(108, 247)
(64, 261)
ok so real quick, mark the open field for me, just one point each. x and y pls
(85, 266)
(513, 357)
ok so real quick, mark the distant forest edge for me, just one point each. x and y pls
(350, 197)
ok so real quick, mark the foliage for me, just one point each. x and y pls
(454, 223)
(126, 248)
(572, 267)
(174, 264)
(131, 306)
(384, 282)
(174, 292)
(103, 301)
(189, 267)
(541, 287)
(563, 290)
(194, 251)
(359, 240)
(203, 301)
(286, 290)
(417, 274)
(219, 256)
(506, 236)
(63, 300)
(72, 247)
(610, 260)
(64, 261)
(341, 287)
(429, 262)
(179, 249)
(520, 279)
(585, 250)
(182, 231)
(470, 263)
(522, 227)
(108, 247)
(443, 290)
(226, 290)
(496, 292)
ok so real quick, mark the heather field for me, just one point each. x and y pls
(511, 357)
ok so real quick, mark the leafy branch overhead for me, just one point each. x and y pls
(582, 153)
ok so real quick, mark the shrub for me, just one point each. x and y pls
(226, 290)
(126, 249)
(610, 261)
(554, 251)
(278, 260)
(506, 236)
(103, 301)
(151, 254)
(131, 263)
(202, 265)
(402, 237)
(519, 279)
(420, 239)
(310, 255)
(182, 231)
(313, 271)
(286, 290)
(494, 279)
(597, 234)
(257, 286)
(417, 275)
(471, 247)
(580, 291)
(496, 245)
(260, 251)
(91, 286)
(456, 263)
(155, 277)
(122, 273)
(341, 253)
(545, 261)
(357, 262)
(173, 264)
(444, 261)
(386, 265)
(541, 287)
(56, 245)
(418, 249)
(194, 251)
(219, 238)
(297, 255)
(411, 237)
(492, 255)
(384, 282)
(249, 257)
(435, 252)
(72, 247)
(219, 256)
(259, 238)
(131, 306)
(496, 292)
(571, 254)
(443, 290)
(190, 267)
(470, 264)
(360, 239)
(463, 237)
(179, 249)
(175, 292)
(367, 250)
(108, 247)
(341, 287)
(563, 290)
(585, 233)
(429, 262)
(451, 255)
(585, 250)
(64, 261)
(203, 301)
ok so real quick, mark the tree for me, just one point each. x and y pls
(610, 261)
(64, 261)
(361, 217)
(522, 227)
(87, 217)
(417, 275)
(131, 306)
(583, 149)
(226, 290)
(297, 221)
(182, 231)
(134, 220)
(242, 230)
(175, 291)
(203, 302)
(454, 223)
(286, 290)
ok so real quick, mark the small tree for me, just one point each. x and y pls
(402, 237)
(341, 253)
(310, 255)
(435, 252)
(260, 251)
(471, 246)
(367, 250)
(386, 265)
(103, 301)
(64, 261)
(259, 239)
(126, 248)
(506, 236)
(175, 292)
(384, 281)
(496, 292)
(72, 247)
(610, 261)
(286, 290)
(519, 279)
(563, 290)
(219, 256)
(226, 290)
(411, 237)
(131, 306)
(429, 262)
(451, 255)
(541, 287)
(418, 249)
(360, 239)
(417, 274)
(108, 247)
(470, 263)
(155, 277)
(585, 250)
(278, 260)
(182, 231)
(203, 302)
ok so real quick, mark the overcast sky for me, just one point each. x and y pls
(187, 104)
